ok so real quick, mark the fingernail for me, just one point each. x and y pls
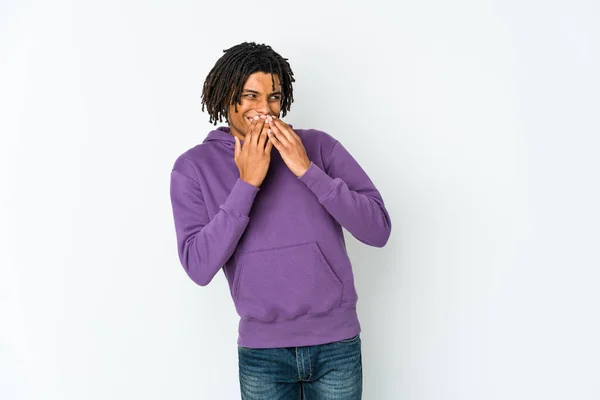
(263, 116)
(256, 117)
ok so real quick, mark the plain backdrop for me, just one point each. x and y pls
(477, 121)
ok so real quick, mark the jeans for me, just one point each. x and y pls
(331, 371)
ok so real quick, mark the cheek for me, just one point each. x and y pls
(239, 115)
(241, 107)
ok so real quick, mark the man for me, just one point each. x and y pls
(266, 203)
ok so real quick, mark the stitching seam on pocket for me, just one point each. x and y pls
(238, 279)
(325, 266)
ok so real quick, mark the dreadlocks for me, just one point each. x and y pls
(224, 83)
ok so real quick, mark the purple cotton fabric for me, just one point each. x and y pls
(280, 246)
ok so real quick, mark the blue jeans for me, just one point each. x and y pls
(331, 371)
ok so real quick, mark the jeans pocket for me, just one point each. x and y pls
(353, 339)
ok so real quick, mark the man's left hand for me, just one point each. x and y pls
(289, 145)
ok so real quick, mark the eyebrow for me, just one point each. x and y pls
(254, 91)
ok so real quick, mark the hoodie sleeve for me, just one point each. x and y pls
(204, 244)
(347, 193)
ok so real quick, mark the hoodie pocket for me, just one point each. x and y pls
(284, 283)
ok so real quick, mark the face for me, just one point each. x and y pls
(258, 97)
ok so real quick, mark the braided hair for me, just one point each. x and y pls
(224, 83)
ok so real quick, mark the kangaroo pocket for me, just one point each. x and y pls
(284, 283)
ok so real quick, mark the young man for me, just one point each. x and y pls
(266, 203)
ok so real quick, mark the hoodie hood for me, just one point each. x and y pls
(223, 135)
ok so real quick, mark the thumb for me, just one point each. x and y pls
(238, 148)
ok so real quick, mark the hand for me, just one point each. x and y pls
(254, 157)
(289, 145)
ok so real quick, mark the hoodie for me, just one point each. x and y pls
(281, 246)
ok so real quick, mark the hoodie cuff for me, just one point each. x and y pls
(318, 181)
(241, 198)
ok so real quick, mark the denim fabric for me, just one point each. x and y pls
(331, 371)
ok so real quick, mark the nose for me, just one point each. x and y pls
(263, 106)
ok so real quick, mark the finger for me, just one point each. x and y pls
(285, 129)
(252, 125)
(260, 124)
(277, 133)
(269, 145)
(273, 139)
(249, 135)
(263, 135)
(267, 138)
(237, 148)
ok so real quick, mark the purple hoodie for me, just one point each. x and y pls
(280, 246)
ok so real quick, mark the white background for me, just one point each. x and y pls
(478, 121)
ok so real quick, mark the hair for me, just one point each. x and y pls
(224, 83)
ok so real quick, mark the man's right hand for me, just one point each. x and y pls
(253, 158)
